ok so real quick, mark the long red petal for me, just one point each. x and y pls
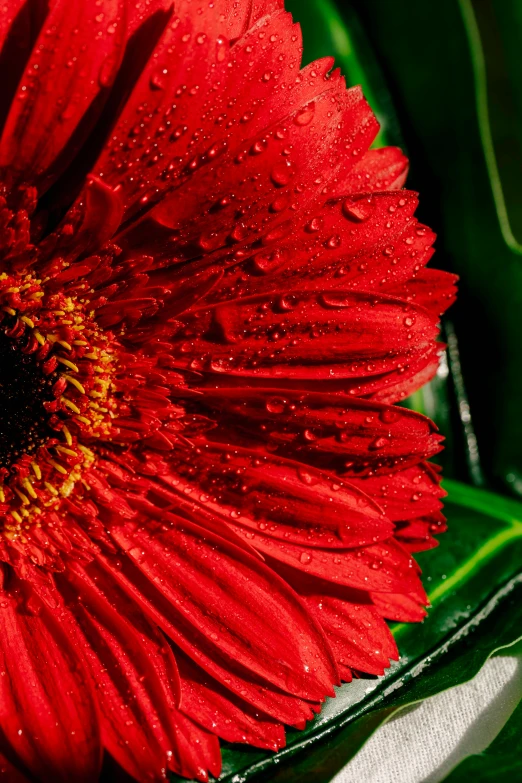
(47, 710)
(334, 432)
(222, 592)
(46, 110)
(138, 682)
(314, 336)
(220, 711)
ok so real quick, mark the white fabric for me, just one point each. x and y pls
(423, 744)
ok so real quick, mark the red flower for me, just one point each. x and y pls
(212, 293)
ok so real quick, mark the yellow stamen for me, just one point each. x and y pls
(68, 436)
(29, 489)
(50, 488)
(39, 337)
(75, 383)
(57, 466)
(68, 364)
(66, 451)
(70, 405)
(23, 498)
(36, 470)
(27, 321)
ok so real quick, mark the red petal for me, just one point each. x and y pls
(360, 639)
(282, 499)
(380, 169)
(280, 180)
(384, 567)
(83, 42)
(417, 534)
(358, 241)
(431, 288)
(334, 432)
(47, 711)
(281, 706)
(399, 607)
(136, 679)
(398, 385)
(227, 592)
(240, 16)
(305, 336)
(220, 711)
(411, 493)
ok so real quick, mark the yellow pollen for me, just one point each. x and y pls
(36, 470)
(80, 342)
(64, 345)
(39, 338)
(29, 489)
(57, 466)
(67, 363)
(84, 420)
(37, 295)
(66, 451)
(75, 383)
(23, 498)
(9, 310)
(16, 516)
(70, 405)
(68, 436)
(27, 321)
(50, 488)
(2, 495)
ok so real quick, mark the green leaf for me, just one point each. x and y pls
(501, 761)
(474, 581)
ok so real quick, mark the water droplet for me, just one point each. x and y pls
(358, 211)
(282, 173)
(334, 242)
(313, 225)
(378, 443)
(305, 115)
(389, 416)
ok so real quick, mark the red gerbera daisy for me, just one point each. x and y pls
(211, 294)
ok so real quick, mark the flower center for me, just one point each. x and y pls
(24, 389)
(56, 398)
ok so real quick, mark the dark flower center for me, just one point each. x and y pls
(56, 375)
(23, 391)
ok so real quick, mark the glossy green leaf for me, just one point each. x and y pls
(501, 761)
(474, 580)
